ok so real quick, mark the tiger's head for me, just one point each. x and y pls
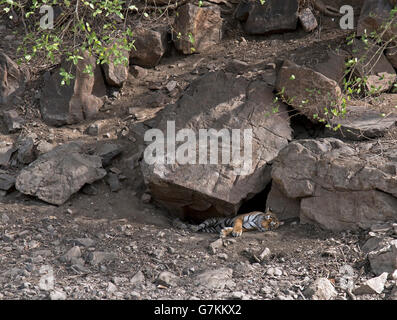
(270, 221)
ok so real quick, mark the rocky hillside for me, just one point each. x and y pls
(83, 215)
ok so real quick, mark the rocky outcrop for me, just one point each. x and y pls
(339, 186)
(58, 174)
(197, 28)
(81, 99)
(218, 101)
(273, 16)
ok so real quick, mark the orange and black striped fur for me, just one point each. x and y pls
(244, 222)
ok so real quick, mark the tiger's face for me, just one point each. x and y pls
(270, 221)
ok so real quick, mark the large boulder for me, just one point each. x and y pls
(273, 16)
(218, 101)
(310, 92)
(81, 99)
(58, 174)
(339, 186)
(150, 46)
(12, 79)
(197, 28)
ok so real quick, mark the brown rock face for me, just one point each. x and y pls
(308, 91)
(66, 104)
(150, 46)
(197, 28)
(339, 186)
(218, 101)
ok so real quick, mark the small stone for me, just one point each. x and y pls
(278, 272)
(308, 20)
(167, 279)
(85, 242)
(265, 255)
(57, 295)
(394, 275)
(372, 286)
(12, 121)
(138, 72)
(138, 278)
(113, 182)
(223, 256)
(98, 257)
(321, 289)
(111, 288)
(171, 85)
(217, 244)
(74, 252)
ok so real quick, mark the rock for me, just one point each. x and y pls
(327, 173)
(307, 20)
(321, 289)
(216, 279)
(214, 246)
(58, 174)
(280, 204)
(138, 72)
(308, 91)
(265, 255)
(167, 279)
(85, 242)
(236, 66)
(383, 258)
(150, 46)
(26, 152)
(44, 147)
(57, 295)
(346, 280)
(47, 279)
(146, 198)
(111, 288)
(67, 104)
(107, 152)
(196, 29)
(98, 257)
(372, 286)
(373, 17)
(137, 279)
(221, 101)
(116, 71)
(391, 56)
(394, 275)
(74, 252)
(171, 86)
(6, 181)
(12, 121)
(373, 64)
(334, 65)
(273, 16)
(12, 79)
(113, 181)
(6, 152)
(362, 123)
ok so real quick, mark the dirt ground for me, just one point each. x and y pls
(124, 245)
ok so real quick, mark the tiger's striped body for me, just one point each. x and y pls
(245, 222)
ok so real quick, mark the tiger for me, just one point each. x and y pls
(235, 226)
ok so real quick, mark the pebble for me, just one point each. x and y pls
(57, 295)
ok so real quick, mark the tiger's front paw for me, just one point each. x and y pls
(237, 233)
